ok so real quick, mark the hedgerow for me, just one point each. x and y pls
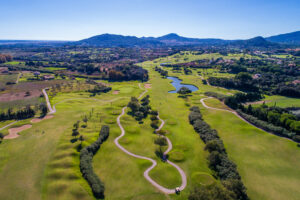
(218, 159)
(86, 163)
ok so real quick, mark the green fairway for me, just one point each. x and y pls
(280, 101)
(266, 162)
(43, 163)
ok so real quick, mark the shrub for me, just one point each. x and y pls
(267, 126)
(218, 160)
(219, 96)
(86, 163)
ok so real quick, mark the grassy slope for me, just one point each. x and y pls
(267, 163)
(175, 112)
(281, 101)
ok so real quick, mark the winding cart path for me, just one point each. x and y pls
(154, 163)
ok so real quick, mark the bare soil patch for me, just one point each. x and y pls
(36, 120)
(147, 85)
(13, 132)
(116, 92)
(12, 96)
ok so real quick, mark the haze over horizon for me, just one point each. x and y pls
(75, 20)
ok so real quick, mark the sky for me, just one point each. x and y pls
(80, 19)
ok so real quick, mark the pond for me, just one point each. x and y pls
(176, 82)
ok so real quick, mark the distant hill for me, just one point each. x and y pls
(174, 39)
(288, 38)
(111, 40)
(254, 42)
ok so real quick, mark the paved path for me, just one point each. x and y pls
(154, 163)
(51, 110)
(235, 113)
(8, 125)
(18, 78)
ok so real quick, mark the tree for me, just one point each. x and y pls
(161, 142)
(184, 90)
(43, 108)
(237, 187)
(211, 192)
(85, 119)
(75, 133)
(76, 125)
(134, 104)
(1, 137)
(81, 139)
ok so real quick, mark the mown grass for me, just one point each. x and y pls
(267, 163)
(175, 112)
(188, 56)
(280, 101)
(43, 164)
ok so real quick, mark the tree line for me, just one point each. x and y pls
(162, 72)
(272, 119)
(86, 163)
(24, 113)
(127, 73)
(5, 58)
(224, 168)
(98, 89)
(242, 81)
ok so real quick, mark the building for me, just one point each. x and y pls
(48, 77)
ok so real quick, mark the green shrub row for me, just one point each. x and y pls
(86, 163)
(218, 160)
(277, 130)
(219, 96)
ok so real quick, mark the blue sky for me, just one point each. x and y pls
(78, 19)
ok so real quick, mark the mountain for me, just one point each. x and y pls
(288, 38)
(111, 40)
(174, 39)
(254, 42)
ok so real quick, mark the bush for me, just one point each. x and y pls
(211, 192)
(154, 124)
(86, 163)
(219, 96)
(267, 126)
(218, 160)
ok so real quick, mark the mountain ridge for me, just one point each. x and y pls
(171, 39)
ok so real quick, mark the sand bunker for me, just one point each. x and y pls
(147, 85)
(36, 120)
(116, 92)
(13, 132)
